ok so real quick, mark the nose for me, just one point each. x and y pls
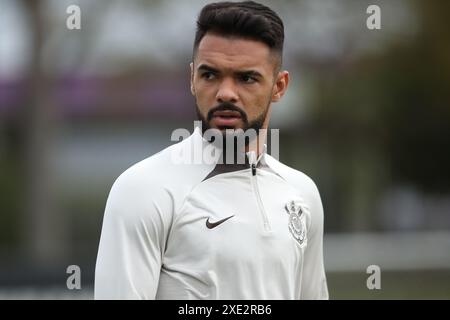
(227, 92)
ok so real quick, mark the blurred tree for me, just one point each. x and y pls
(43, 226)
(415, 81)
(384, 119)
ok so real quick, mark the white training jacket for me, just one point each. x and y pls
(211, 231)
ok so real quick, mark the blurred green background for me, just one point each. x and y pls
(366, 116)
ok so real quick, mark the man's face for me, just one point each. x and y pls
(234, 82)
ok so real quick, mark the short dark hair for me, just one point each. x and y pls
(246, 19)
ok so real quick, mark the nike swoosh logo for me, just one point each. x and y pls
(211, 225)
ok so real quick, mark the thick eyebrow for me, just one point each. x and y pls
(252, 73)
(204, 67)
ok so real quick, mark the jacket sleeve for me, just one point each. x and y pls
(314, 283)
(133, 237)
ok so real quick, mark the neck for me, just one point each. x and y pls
(238, 153)
(257, 146)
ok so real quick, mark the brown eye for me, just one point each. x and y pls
(247, 79)
(208, 75)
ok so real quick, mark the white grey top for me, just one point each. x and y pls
(197, 231)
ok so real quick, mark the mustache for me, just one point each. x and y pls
(227, 106)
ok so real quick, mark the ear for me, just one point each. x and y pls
(281, 85)
(192, 78)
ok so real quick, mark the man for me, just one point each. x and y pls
(220, 230)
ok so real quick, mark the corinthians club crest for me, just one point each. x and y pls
(297, 224)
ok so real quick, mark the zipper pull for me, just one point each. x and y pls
(252, 160)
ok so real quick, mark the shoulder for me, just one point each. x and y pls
(296, 178)
(174, 166)
(160, 178)
(155, 171)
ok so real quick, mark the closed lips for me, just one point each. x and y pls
(227, 114)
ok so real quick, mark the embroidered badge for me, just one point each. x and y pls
(297, 224)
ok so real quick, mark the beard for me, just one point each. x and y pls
(236, 133)
(255, 124)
